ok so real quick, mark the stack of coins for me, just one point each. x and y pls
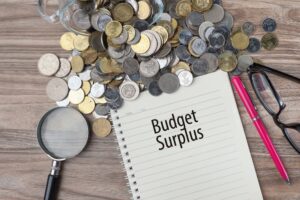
(132, 48)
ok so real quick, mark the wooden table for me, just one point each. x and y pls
(97, 173)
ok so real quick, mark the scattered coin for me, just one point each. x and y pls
(169, 83)
(200, 67)
(67, 41)
(185, 78)
(63, 103)
(122, 12)
(77, 64)
(269, 25)
(149, 68)
(113, 29)
(101, 127)
(81, 42)
(154, 89)
(74, 83)
(215, 14)
(129, 90)
(102, 109)
(269, 41)
(244, 61)
(227, 61)
(97, 90)
(86, 87)
(254, 45)
(248, 28)
(65, 68)
(87, 106)
(76, 96)
(48, 64)
(144, 10)
(57, 89)
(202, 5)
(240, 41)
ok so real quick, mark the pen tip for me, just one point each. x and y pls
(288, 181)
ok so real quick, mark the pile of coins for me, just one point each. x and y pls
(132, 48)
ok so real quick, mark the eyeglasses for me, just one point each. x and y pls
(271, 100)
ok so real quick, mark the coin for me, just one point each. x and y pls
(81, 42)
(113, 29)
(77, 64)
(76, 96)
(244, 61)
(149, 68)
(122, 12)
(48, 64)
(161, 31)
(227, 21)
(227, 61)
(81, 19)
(57, 89)
(182, 53)
(87, 106)
(202, 5)
(269, 41)
(67, 41)
(200, 67)
(65, 68)
(197, 47)
(63, 103)
(102, 110)
(215, 14)
(185, 78)
(142, 46)
(101, 127)
(86, 87)
(74, 83)
(183, 8)
(240, 40)
(203, 27)
(217, 40)
(169, 83)
(154, 89)
(97, 90)
(212, 60)
(248, 28)
(122, 39)
(144, 10)
(103, 21)
(254, 45)
(129, 90)
(269, 25)
(131, 66)
(131, 32)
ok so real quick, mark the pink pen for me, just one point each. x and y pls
(245, 98)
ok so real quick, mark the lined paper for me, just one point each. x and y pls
(217, 167)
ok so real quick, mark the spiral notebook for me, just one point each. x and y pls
(189, 145)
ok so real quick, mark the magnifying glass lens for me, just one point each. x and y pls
(64, 133)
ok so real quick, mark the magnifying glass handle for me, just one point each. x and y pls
(53, 181)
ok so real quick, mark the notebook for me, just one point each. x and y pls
(189, 145)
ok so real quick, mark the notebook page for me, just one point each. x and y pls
(201, 151)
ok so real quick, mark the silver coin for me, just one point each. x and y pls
(149, 68)
(122, 39)
(136, 39)
(185, 78)
(165, 17)
(115, 53)
(163, 62)
(129, 90)
(96, 116)
(217, 40)
(102, 110)
(198, 47)
(227, 21)
(57, 89)
(103, 21)
(215, 14)
(94, 20)
(153, 44)
(134, 5)
(74, 83)
(208, 32)
(169, 83)
(86, 75)
(200, 67)
(203, 27)
(131, 66)
(97, 90)
(65, 68)
(244, 61)
(48, 64)
(212, 60)
(248, 28)
(63, 103)
(81, 19)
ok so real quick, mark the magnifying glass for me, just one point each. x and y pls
(62, 133)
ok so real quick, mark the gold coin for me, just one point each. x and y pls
(162, 31)
(202, 5)
(105, 65)
(76, 96)
(168, 26)
(227, 61)
(77, 64)
(240, 41)
(123, 12)
(269, 41)
(67, 41)
(86, 87)
(87, 106)
(183, 8)
(81, 42)
(113, 29)
(174, 23)
(101, 100)
(89, 56)
(181, 65)
(131, 32)
(101, 127)
(144, 11)
(142, 46)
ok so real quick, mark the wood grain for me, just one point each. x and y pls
(97, 173)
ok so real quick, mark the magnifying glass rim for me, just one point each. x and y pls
(39, 137)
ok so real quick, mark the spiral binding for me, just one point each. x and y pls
(126, 161)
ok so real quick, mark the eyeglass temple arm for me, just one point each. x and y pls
(259, 67)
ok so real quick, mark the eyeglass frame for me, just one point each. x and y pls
(258, 68)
